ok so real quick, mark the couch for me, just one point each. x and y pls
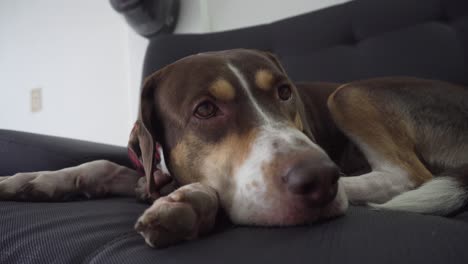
(355, 40)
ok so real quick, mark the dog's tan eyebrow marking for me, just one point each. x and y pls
(264, 79)
(222, 90)
(246, 88)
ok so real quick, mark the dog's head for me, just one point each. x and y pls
(234, 121)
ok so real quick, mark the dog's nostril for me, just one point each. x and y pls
(302, 179)
(318, 182)
(301, 185)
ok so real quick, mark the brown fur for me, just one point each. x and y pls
(384, 132)
(211, 163)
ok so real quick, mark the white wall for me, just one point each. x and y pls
(75, 52)
(136, 48)
(89, 63)
(193, 17)
(217, 15)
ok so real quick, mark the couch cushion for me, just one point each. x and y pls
(355, 40)
(24, 152)
(101, 231)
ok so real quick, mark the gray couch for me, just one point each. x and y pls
(359, 39)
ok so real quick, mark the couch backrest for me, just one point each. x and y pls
(355, 40)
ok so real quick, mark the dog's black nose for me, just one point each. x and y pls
(317, 181)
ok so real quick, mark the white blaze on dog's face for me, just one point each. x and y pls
(234, 121)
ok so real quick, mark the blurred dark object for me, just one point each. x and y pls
(149, 17)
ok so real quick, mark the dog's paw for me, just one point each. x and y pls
(167, 222)
(23, 186)
(183, 215)
(37, 186)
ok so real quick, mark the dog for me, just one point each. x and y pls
(229, 132)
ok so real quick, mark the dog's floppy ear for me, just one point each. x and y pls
(144, 146)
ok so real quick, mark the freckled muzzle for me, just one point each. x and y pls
(298, 181)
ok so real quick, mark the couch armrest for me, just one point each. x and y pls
(24, 152)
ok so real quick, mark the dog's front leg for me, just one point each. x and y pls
(92, 179)
(375, 187)
(185, 214)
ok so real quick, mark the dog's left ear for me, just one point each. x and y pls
(144, 146)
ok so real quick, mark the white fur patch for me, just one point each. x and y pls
(162, 163)
(379, 186)
(247, 202)
(439, 196)
(376, 186)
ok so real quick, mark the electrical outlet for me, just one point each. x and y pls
(36, 100)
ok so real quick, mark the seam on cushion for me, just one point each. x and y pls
(106, 245)
(402, 27)
(357, 41)
(414, 25)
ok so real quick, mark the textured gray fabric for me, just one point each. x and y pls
(63, 232)
(101, 231)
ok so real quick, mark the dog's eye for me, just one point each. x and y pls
(205, 110)
(284, 92)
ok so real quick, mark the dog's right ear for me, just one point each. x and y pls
(144, 146)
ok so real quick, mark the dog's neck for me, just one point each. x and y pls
(340, 149)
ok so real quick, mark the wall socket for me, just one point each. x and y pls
(36, 100)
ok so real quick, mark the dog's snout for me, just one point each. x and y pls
(315, 181)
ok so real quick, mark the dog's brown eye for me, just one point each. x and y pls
(205, 110)
(284, 92)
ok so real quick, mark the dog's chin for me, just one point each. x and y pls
(337, 207)
(294, 214)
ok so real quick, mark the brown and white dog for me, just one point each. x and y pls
(239, 136)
